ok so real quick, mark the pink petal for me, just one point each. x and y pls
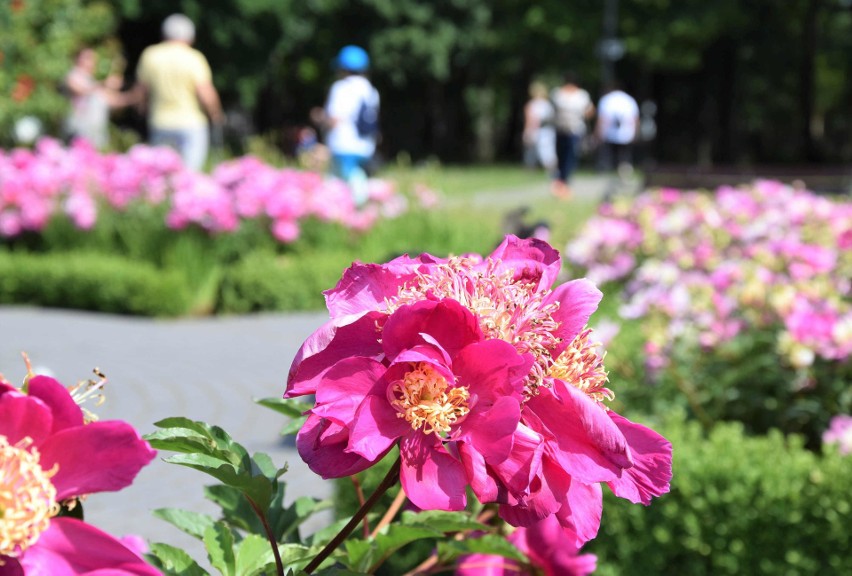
(24, 416)
(344, 386)
(578, 300)
(70, 547)
(449, 323)
(491, 433)
(322, 445)
(652, 469)
(376, 428)
(492, 369)
(98, 457)
(586, 442)
(582, 510)
(327, 346)
(11, 567)
(487, 565)
(366, 287)
(523, 465)
(481, 482)
(532, 260)
(66, 412)
(431, 478)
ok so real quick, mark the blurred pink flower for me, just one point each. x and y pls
(50, 456)
(840, 432)
(551, 550)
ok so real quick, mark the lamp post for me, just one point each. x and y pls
(610, 47)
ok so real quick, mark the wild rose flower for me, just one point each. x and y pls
(49, 457)
(549, 547)
(566, 441)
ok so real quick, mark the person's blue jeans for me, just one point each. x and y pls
(350, 168)
(191, 143)
(567, 154)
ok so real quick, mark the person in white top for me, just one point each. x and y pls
(617, 126)
(539, 133)
(573, 107)
(350, 119)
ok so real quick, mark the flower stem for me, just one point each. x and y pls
(392, 510)
(388, 481)
(269, 536)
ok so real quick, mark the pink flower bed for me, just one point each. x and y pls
(77, 182)
(704, 268)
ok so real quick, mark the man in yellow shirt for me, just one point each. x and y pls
(175, 82)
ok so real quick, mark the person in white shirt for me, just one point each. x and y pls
(616, 130)
(350, 119)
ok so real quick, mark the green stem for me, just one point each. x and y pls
(269, 536)
(388, 481)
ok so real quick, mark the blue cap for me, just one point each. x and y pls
(353, 59)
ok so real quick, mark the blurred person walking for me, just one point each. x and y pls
(573, 107)
(350, 120)
(539, 134)
(91, 100)
(616, 130)
(174, 81)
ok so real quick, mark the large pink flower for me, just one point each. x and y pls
(50, 456)
(566, 442)
(550, 548)
(435, 385)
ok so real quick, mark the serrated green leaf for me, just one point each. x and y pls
(442, 520)
(181, 422)
(192, 523)
(449, 550)
(173, 561)
(263, 464)
(254, 554)
(257, 488)
(296, 556)
(219, 542)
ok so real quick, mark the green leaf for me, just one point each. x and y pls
(449, 550)
(442, 521)
(219, 542)
(290, 407)
(367, 555)
(192, 523)
(254, 554)
(173, 561)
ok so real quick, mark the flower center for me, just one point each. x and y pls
(27, 497)
(424, 398)
(582, 367)
(508, 309)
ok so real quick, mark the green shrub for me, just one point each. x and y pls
(263, 281)
(738, 505)
(87, 281)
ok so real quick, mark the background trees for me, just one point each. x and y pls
(733, 82)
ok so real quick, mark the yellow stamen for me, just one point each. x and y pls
(581, 366)
(423, 397)
(27, 497)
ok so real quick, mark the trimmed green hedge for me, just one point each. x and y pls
(87, 281)
(738, 505)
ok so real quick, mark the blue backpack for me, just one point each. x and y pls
(367, 121)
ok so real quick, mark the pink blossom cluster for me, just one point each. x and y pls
(486, 377)
(78, 181)
(706, 267)
(839, 432)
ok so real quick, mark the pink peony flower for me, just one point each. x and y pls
(51, 457)
(549, 547)
(564, 444)
(434, 385)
